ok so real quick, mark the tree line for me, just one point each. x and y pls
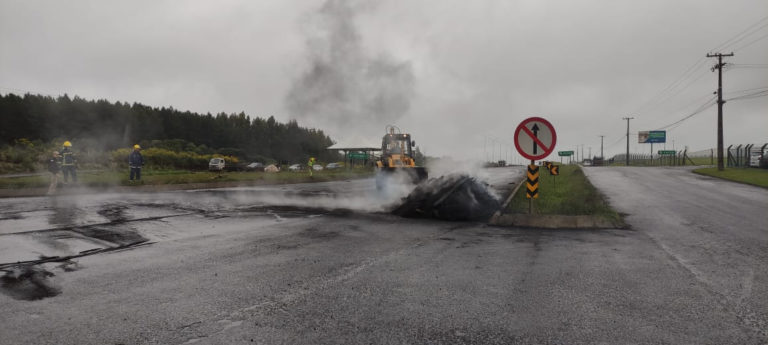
(117, 125)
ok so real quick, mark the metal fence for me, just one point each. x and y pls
(742, 155)
(639, 159)
(747, 155)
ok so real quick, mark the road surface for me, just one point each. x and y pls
(330, 266)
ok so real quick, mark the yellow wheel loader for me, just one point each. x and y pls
(396, 162)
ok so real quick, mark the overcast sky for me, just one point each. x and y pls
(455, 74)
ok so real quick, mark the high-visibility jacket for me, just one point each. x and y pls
(67, 157)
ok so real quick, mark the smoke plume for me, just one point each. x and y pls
(344, 85)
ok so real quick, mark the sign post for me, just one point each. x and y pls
(535, 139)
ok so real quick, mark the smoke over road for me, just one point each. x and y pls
(344, 85)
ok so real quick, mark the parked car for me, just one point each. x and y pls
(317, 167)
(332, 166)
(216, 164)
(235, 167)
(255, 166)
(296, 167)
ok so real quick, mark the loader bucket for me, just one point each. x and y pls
(412, 175)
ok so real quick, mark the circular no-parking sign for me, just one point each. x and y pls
(535, 138)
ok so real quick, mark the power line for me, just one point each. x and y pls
(616, 142)
(682, 78)
(749, 96)
(751, 43)
(698, 110)
(743, 33)
(754, 93)
(689, 104)
(689, 76)
(744, 37)
(679, 91)
(749, 65)
(747, 90)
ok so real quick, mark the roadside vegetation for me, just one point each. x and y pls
(177, 146)
(569, 193)
(752, 176)
(31, 126)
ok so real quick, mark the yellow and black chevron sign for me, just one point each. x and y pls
(554, 169)
(533, 182)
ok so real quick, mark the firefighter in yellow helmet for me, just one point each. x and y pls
(135, 162)
(68, 162)
(311, 165)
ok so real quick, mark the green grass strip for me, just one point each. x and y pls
(752, 176)
(569, 193)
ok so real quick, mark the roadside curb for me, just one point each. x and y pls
(498, 213)
(556, 222)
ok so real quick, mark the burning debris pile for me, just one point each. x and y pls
(450, 197)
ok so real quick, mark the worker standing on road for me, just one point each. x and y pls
(135, 162)
(54, 166)
(68, 162)
(311, 165)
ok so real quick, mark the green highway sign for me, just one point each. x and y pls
(666, 152)
(564, 153)
(358, 155)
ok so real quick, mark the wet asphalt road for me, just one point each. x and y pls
(329, 266)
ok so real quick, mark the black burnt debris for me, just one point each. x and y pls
(28, 283)
(451, 197)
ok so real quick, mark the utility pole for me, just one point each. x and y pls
(493, 149)
(601, 147)
(720, 103)
(627, 118)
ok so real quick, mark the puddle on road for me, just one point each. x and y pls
(120, 236)
(29, 283)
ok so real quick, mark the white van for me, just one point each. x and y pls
(216, 164)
